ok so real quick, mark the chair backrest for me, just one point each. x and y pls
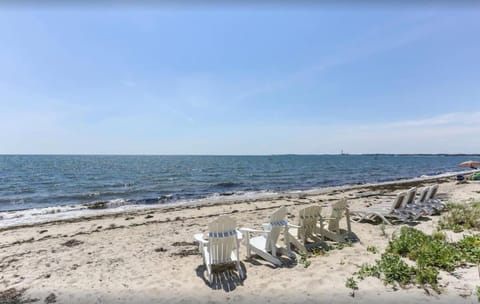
(222, 239)
(410, 197)
(338, 210)
(399, 200)
(432, 192)
(422, 196)
(307, 220)
(278, 222)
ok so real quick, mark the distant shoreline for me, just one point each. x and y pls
(246, 155)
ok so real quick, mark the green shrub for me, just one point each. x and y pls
(394, 269)
(407, 243)
(318, 251)
(461, 217)
(340, 246)
(469, 248)
(430, 253)
(390, 268)
(304, 260)
(367, 270)
(427, 275)
(352, 284)
(439, 254)
(424, 249)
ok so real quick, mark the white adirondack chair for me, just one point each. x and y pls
(332, 231)
(222, 245)
(265, 245)
(307, 228)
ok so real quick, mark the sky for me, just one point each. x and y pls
(239, 80)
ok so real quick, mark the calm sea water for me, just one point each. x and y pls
(43, 181)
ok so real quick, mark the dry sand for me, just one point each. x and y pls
(149, 256)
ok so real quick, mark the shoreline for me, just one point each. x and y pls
(149, 255)
(28, 217)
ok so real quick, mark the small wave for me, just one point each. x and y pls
(155, 200)
(48, 214)
(107, 204)
(227, 193)
(115, 203)
(34, 212)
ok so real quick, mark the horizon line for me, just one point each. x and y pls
(279, 154)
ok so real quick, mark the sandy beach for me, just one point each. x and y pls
(149, 256)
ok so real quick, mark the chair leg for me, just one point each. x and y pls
(247, 241)
(287, 241)
(322, 233)
(240, 272)
(296, 243)
(383, 219)
(349, 224)
(268, 257)
(210, 276)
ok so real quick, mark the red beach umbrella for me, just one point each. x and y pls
(470, 164)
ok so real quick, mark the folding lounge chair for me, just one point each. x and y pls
(222, 245)
(410, 207)
(422, 196)
(307, 228)
(265, 245)
(432, 200)
(382, 211)
(422, 202)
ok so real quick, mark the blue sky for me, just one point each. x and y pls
(239, 80)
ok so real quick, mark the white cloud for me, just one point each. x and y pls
(453, 119)
(447, 133)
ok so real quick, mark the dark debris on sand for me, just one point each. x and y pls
(185, 252)
(183, 243)
(72, 243)
(51, 298)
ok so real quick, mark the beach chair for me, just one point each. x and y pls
(265, 245)
(307, 229)
(422, 196)
(433, 201)
(410, 207)
(222, 245)
(382, 211)
(422, 201)
(331, 229)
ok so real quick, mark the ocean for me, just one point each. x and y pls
(108, 181)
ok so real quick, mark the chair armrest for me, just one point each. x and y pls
(199, 237)
(294, 226)
(250, 230)
(239, 234)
